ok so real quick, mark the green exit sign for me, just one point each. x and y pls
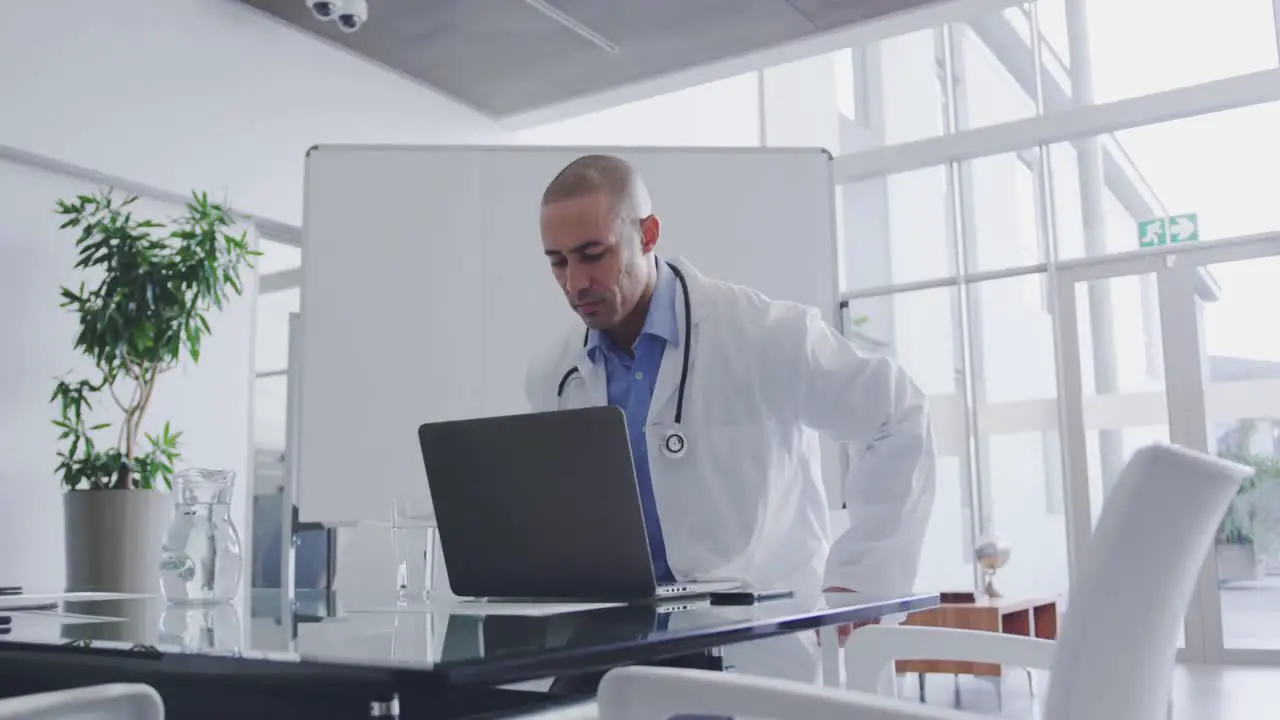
(1174, 229)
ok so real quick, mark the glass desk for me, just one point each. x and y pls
(315, 657)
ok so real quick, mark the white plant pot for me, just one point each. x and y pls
(1237, 562)
(113, 539)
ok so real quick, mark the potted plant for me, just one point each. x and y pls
(1241, 534)
(144, 313)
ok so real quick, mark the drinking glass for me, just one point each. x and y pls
(413, 538)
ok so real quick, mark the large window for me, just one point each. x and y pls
(950, 265)
(279, 297)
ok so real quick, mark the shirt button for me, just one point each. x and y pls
(639, 376)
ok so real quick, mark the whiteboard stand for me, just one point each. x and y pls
(289, 488)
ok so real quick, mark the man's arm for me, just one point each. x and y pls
(871, 406)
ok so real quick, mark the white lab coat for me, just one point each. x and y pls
(747, 500)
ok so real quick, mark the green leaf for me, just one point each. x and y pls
(146, 306)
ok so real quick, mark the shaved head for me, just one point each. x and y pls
(599, 232)
(606, 175)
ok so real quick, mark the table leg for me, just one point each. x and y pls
(997, 682)
(829, 639)
(385, 708)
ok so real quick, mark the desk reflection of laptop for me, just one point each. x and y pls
(494, 636)
(543, 506)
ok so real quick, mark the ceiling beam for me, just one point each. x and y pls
(279, 281)
(277, 231)
(273, 229)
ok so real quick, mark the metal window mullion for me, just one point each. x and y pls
(1074, 440)
(1184, 385)
(967, 234)
(1091, 121)
(761, 113)
(1048, 227)
(1275, 13)
(972, 463)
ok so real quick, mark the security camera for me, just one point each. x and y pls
(324, 9)
(352, 14)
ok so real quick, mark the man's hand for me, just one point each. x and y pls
(843, 631)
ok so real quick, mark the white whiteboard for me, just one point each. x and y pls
(425, 291)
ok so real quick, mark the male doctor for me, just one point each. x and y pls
(740, 494)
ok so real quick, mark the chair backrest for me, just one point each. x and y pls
(118, 701)
(1118, 641)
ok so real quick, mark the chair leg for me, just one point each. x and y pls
(920, 679)
(1031, 681)
(997, 683)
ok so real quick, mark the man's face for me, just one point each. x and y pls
(597, 258)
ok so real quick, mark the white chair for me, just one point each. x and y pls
(120, 701)
(1117, 647)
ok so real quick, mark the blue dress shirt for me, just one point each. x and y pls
(631, 381)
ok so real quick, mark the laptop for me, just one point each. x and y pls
(543, 506)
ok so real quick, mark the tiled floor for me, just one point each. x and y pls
(1201, 692)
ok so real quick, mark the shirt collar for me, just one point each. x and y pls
(661, 319)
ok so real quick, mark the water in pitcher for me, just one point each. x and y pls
(201, 560)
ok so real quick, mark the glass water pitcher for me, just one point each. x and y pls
(200, 561)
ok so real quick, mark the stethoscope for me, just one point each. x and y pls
(674, 443)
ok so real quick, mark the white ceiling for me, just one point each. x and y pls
(507, 59)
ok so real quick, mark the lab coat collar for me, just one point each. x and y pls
(662, 320)
(668, 382)
(672, 359)
(593, 378)
(697, 283)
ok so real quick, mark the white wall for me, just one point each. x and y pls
(800, 109)
(178, 95)
(210, 403)
(800, 102)
(725, 113)
(208, 94)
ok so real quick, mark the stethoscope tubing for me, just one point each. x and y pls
(684, 363)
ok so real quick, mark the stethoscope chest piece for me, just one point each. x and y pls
(674, 444)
